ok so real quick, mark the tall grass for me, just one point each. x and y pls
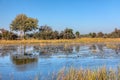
(87, 74)
(75, 74)
(81, 40)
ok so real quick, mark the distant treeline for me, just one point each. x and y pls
(29, 29)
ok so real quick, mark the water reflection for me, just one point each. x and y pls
(6, 50)
(47, 58)
(77, 48)
(49, 50)
(24, 59)
(20, 59)
(29, 51)
(101, 48)
(93, 48)
(115, 47)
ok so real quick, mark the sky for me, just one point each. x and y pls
(81, 15)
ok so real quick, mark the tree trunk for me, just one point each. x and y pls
(24, 49)
(20, 34)
(24, 35)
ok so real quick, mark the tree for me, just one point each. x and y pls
(45, 32)
(61, 34)
(93, 35)
(23, 24)
(100, 34)
(77, 34)
(0, 36)
(8, 35)
(68, 34)
(115, 33)
(116, 30)
(45, 28)
(55, 35)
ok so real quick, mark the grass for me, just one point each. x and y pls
(81, 74)
(75, 74)
(81, 40)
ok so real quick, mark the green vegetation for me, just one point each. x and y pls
(77, 34)
(7, 35)
(29, 29)
(23, 24)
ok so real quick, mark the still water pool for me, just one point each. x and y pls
(44, 61)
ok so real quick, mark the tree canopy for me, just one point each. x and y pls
(23, 24)
(77, 34)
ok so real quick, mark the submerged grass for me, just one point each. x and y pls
(81, 40)
(82, 74)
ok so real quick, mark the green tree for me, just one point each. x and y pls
(45, 32)
(61, 34)
(115, 33)
(68, 34)
(23, 24)
(6, 35)
(55, 35)
(77, 34)
(93, 35)
(100, 34)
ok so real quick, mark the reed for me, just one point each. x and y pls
(81, 40)
(87, 74)
(78, 74)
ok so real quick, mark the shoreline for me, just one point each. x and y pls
(81, 40)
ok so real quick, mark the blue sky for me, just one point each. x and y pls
(80, 15)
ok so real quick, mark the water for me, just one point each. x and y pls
(42, 61)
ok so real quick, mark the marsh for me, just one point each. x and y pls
(25, 62)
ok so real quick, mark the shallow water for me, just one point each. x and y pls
(43, 61)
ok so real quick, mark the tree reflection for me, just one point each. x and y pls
(100, 48)
(68, 49)
(19, 59)
(48, 50)
(24, 60)
(77, 48)
(93, 48)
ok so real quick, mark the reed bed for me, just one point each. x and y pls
(76, 74)
(81, 40)
(87, 74)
